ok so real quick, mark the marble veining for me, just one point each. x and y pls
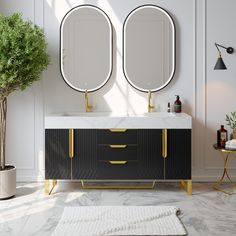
(101, 120)
(207, 212)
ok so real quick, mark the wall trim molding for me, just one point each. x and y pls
(200, 83)
(38, 117)
(194, 78)
(205, 75)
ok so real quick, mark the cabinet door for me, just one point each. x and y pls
(178, 160)
(84, 163)
(57, 161)
(150, 160)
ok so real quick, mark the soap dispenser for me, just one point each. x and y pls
(177, 105)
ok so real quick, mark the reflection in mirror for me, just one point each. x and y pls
(86, 48)
(149, 48)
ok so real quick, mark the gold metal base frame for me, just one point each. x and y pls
(84, 186)
(186, 185)
(49, 186)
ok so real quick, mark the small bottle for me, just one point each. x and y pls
(177, 105)
(222, 137)
(168, 107)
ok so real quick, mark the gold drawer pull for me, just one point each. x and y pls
(118, 130)
(164, 143)
(117, 162)
(118, 146)
(71, 143)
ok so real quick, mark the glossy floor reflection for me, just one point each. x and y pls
(30, 212)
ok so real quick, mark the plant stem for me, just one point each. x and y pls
(3, 113)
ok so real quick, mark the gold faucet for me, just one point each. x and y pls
(87, 106)
(150, 107)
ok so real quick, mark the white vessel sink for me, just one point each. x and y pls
(108, 120)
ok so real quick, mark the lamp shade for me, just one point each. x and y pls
(220, 65)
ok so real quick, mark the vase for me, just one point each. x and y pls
(233, 134)
(7, 182)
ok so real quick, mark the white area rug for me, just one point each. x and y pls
(119, 220)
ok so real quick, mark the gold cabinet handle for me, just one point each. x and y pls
(118, 145)
(71, 143)
(118, 162)
(164, 143)
(118, 130)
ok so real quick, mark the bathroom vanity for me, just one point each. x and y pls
(105, 146)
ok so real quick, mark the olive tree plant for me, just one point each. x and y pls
(231, 120)
(23, 57)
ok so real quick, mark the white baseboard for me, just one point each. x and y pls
(210, 178)
(29, 179)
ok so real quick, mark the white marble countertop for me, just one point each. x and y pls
(107, 120)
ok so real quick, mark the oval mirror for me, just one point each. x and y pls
(86, 48)
(149, 48)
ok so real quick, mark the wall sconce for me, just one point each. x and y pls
(220, 65)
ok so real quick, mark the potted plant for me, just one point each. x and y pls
(23, 57)
(231, 122)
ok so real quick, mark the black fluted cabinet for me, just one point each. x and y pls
(84, 162)
(135, 154)
(57, 161)
(178, 160)
(150, 160)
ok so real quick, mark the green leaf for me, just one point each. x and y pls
(23, 54)
(231, 120)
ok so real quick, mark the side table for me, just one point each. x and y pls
(225, 154)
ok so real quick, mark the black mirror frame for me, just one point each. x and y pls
(60, 54)
(174, 50)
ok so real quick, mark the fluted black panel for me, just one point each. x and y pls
(105, 152)
(178, 161)
(84, 164)
(110, 171)
(57, 162)
(150, 161)
(143, 154)
(105, 136)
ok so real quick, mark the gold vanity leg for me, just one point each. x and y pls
(188, 187)
(182, 184)
(84, 186)
(54, 183)
(48, 187)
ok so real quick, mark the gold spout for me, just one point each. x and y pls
(150, 107)
(87, 106)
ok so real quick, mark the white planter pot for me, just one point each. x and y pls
(8, 182)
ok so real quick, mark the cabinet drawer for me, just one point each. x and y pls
(113, 152)
(117, 137)
(127, 170)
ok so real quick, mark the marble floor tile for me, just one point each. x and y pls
(30, 212)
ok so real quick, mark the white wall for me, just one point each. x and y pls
(206, 94)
